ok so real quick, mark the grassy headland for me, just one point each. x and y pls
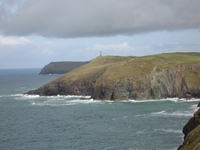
(117, 77)
(118, 67)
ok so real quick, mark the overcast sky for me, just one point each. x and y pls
(36, 32)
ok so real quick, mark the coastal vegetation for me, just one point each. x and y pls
(121, 78)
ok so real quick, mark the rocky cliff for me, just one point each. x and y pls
(139, 78)
(61, 67)
(192, 133)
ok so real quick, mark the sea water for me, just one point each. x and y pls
(67, 123)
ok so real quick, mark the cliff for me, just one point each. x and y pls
(61, 67)
(192, 133)
(139, 78)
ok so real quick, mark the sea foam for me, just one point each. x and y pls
(174, 114)
(168, 131)
(61, 100)
(163, 100)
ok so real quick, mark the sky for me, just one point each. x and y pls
(34, 33)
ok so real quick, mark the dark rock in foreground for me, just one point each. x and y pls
(139, 78)
(61, 67)
(192, 133)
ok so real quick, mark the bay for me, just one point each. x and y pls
(67, 123)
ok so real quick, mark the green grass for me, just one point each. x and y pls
(192, 77)
(118, 67)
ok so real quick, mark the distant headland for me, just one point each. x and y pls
(61, 67)
(139, 78)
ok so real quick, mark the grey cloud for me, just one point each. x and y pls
(75, 18)
(177, 47)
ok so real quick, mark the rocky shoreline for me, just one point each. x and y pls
(192, 133)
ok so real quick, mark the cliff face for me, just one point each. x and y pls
(166, 83)
(192, 133)
(61, 67)
(139, 78)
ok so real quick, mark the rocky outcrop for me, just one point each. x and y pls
(61, 67)
(122, 78)
(192, 133)
(166, 83)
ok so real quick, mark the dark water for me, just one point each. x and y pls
(67, 123)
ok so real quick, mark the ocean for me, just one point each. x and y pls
(67, 123)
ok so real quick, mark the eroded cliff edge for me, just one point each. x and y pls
(139, 78)
(192, 133)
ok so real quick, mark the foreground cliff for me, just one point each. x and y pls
(61, 67)
(192, 133)
(139, 78)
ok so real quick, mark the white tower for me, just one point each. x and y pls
(100, 53)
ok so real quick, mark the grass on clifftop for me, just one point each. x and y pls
(117, 67)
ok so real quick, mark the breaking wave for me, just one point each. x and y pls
(59, 100)
(167, 99)
(168, 131)
(176, 113)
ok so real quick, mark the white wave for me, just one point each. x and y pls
(175, 114)
(142, 101)
(26, 97)
(183, 99)
(194, 108)
(160, 112)
(50, 101)
(140, 132)
(186, 113)
(11, 95)
(64, 96)
(169, 131)
(70, 96)
(151, 100)
(162, 100)
(83, 101)
(33, 103)
(58, 100)
(75, 99)
(16, 95)
(31, 96)
(3, 96)
(61, 101)
(49, 104)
